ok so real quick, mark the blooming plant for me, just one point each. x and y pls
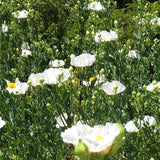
(98, 139)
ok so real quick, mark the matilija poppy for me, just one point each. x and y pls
(17, 88)
(83, 60)
(113, 88)
(95, 6)
(97, 139)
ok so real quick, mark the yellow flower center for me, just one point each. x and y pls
(99, 137)
(11, 85)
(92, 79)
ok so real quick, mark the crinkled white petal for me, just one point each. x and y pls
(109, 87)
(83, 60)
(21, 14)
(75, 133)
(95, 6)
(131, 127)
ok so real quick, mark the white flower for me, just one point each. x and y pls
(152, 86)
(25, 45)
(2, 122)
(56, 75)
(57, 63)
(83, 60)
(61, 120)
(21, 14)
(4, 28)
(155, 21)
(26, 52)
(35, 78)
(95, 6)
(152, 158)
(133, 54)
(99, 79)
(17, 88)
(105, 36)
(98, 138)
(112, 88)
(147, 120)
(131, 127)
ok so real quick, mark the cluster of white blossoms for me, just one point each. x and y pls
(95, 6)
(113, 88)
(57, 63)
(17, 88)
(98, 138)
(147, 121)
(105, 36)
(83, 60)
(50, 76)
(133, 54)
(21, 14)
